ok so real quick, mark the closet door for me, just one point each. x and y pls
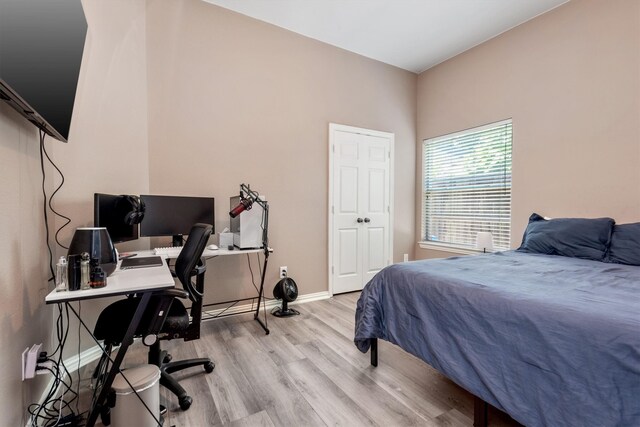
(360, 207)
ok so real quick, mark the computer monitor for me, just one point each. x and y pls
(109, 211)
(174, 215)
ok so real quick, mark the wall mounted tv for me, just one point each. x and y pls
(41, 44)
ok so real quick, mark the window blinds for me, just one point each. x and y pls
(467, 186)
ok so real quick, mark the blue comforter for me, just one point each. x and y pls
(553, 341)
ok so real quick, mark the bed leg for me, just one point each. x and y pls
(480, 412)
(374, 352)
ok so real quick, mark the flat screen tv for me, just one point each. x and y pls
(41, 45)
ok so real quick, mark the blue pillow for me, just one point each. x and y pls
(625, 244)
(571, 237)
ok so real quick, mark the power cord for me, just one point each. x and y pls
(57, 410)
(48, 203)
(253, 282)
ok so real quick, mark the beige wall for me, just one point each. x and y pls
(233, 100)
(23, 269)
(570, 79)
(107, 150)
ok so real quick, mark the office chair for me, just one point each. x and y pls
(166, 317)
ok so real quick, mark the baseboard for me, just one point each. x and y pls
(92, 354)
(270, 303)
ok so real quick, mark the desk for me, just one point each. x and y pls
(141, 281)
(208, 254)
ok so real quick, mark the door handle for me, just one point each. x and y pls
(359, 220)
(367, 220)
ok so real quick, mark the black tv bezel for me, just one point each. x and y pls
(21, 106)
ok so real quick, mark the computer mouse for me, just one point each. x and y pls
(212, 247)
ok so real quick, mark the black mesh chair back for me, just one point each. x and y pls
(189, 259)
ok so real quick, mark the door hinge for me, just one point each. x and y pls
(332, 269)
(332, 209)
(333, 147)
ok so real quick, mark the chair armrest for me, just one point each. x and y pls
(198, 269)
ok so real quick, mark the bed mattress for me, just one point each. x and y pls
(553, 341)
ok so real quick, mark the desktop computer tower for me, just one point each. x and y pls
(247, 227)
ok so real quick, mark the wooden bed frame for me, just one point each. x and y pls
(480, 407)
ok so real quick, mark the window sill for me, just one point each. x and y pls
(447, 248)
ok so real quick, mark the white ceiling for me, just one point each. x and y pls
(410, 34)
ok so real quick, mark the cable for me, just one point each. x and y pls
(67, 219)
(52, 410)
(253, 282)
(48, 203)
(44, 194)
(78, 367)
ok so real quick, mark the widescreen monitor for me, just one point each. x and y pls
(109, 211)
(174, 215)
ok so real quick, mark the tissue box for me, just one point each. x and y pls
(225, 240)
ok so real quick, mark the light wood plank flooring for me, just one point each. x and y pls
(308, 372)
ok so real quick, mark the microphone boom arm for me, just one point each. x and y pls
(254, 196)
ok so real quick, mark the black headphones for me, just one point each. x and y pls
(137, 208)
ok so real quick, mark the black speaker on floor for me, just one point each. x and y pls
(287, 291)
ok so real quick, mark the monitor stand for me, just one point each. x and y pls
(177, 240)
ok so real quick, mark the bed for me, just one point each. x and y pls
(551, 340)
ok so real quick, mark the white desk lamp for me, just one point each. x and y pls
(484, 241)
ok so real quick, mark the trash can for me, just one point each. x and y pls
(128, 410)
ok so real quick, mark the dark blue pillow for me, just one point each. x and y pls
(571, 237)
(625, 244)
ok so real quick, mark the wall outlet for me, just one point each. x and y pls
(405, 258)
(283, 271)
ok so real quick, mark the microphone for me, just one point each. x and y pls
(244, 205)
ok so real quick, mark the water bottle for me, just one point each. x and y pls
(61, 275)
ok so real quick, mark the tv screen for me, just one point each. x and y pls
(41, 45)
(174, 215)
(109, 211)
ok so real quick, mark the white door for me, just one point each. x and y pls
(360, 206)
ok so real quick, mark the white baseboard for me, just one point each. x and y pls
(270, 303)
(92, 354)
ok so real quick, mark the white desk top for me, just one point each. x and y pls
(123, 282)
(209, 253)
(119, 283)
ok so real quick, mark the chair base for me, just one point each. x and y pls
(158, 357)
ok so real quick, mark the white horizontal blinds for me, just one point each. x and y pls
(467, 186)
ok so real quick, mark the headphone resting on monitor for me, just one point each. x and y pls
(136, 214)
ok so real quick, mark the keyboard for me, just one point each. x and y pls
(171, 252)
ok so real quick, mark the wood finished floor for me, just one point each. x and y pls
(308, 372)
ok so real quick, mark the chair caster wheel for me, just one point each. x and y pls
(185, 402)
(208, 367)
(167, 358)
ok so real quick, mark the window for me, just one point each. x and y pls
(467, 186)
